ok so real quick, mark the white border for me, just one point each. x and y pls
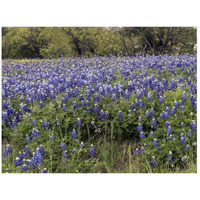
(100, 13)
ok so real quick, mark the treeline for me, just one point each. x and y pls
(45, 42)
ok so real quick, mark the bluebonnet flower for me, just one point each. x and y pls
(45, 124)
(170, 157)
(166, 115)
(96, 97)
(35, 133)
(137, 151)
(153, 161)
(181, 124)
(17, 162)
(182, 138)
(155, 143)
(169, 130)
(79, 123)
(175, 103)
(142, 136)
(41, 105)
(140, 127)
(92, 150)
(142, 149)
(140, 119)
(170, 137)
(96, 108)
(51, 137)
(149, 97)
(33, 122)
(28, 139)
(62, 146)
(28, 162)
(151, 133)
(45, 170)
(190, 133)
(193, 125)
(27, 151)
(152, 112)
(20, 155)
(154, 122)
(65, 155)
(64, 108)
(74, 134)
(166, 104)
(173, 110)
(187, 146)
(37, 158)
(132, 106)
(24, 168)
(102, 115)
(41, 150)
(8, 150)
(167, 123)
(147, 114)
(114, 97)
(184, 96)
(81, 145)
(180, 103)
(106, 115)
(141, 103)
(127, 94)
(120, 115)
(74, 105)
(110, 105)
(82, 103)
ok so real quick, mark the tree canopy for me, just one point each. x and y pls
(43, 42)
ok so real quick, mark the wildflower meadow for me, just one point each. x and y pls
(100, 114)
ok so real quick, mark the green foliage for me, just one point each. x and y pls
(45, 42)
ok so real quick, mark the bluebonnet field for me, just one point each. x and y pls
(100, 114)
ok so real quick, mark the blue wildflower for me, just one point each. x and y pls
(169, 130)
(190, 133)
(187, 146)
(65, 155)
(62, 146)
(74, 134)
(155, 143)
(8, 150)
(154, 122)
(182, 138)
(167, 123)
(28, 139)
(45, 170)
(27, 151)
(79, 123)
(170, 157)
(92, 150)
(142, 136)
(151, 133)
(17, 162)
(33, 122)
(153, 161)
(140, 127)
(120, 115)
(24, 168)
(137, 151)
